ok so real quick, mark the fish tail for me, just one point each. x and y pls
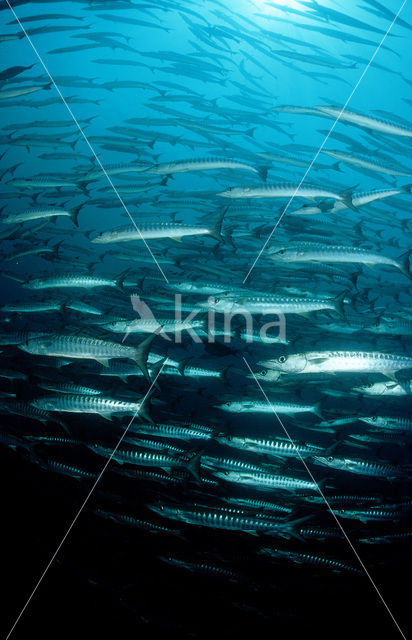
(74, 214)
(216, 231)
(403, 263)
(141, 354)
(347, 196)
(339, 304)
(263, 172)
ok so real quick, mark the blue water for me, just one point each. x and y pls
(208, 79)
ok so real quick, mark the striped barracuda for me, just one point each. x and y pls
(359, 199)
(79, 347)
(276, 304)
(288, 190)
(298, 557)
(361, 467)
(365, 121)
(203, 164)
(389, 423)
(224, 519)
(42, 214)
(339, 361)
(147, 231)
(143, 458)
(385, 388)
(281, 447)
(261, 406)
(74, 403)
(176, 431)
(266, 481)
(73, 281)
(363, 162)
(326, 253)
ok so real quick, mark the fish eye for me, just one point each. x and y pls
(216, 300)
(281, 251)
(282, 359)
(373, 418)
(263, 372)
(330, 458)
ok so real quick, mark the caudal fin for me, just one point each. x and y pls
(403, 263)
(339, 304)
(74, 214)
(141, 355)
(216, 231)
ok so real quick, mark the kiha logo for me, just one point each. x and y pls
(207, 321)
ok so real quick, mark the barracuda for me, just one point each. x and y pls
(366, 122)
(75, 403)
(364, 162)
(287, 190)
(216, 464)
(67, 387)
(388, 423)
(179, 432)
(277, 305)
(361, 467)
(397, 538)
(73, 281)
(78, 347)
(145, 525)
(340, 254)
(150, 325)
(266, 481)
(203, 164)
(33, 307)
(42, 214)
(359, 199)
(279, 447)
(388, 388)
(222, 519)
(22, 91)
(261, 406)
(259, 505)
(339, 361)
(147, 231)
(375, 514)
(298, 557)
(143, 458)
(67, 469)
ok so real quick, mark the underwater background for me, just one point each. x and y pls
(252, 157)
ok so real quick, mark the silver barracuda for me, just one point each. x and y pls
(85, 348)
(288, 190)
(261, 406)
(147, 231)
(365, 121)
(42, 214)
(339, 361)
(203, 164)
(339, 254)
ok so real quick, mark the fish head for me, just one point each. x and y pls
(221, 305)
(331, 462)
(284, 254)
(294, 363)
(265, 374)
(38, 346)
(233, 192)
(99, 238)
(230, 406)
